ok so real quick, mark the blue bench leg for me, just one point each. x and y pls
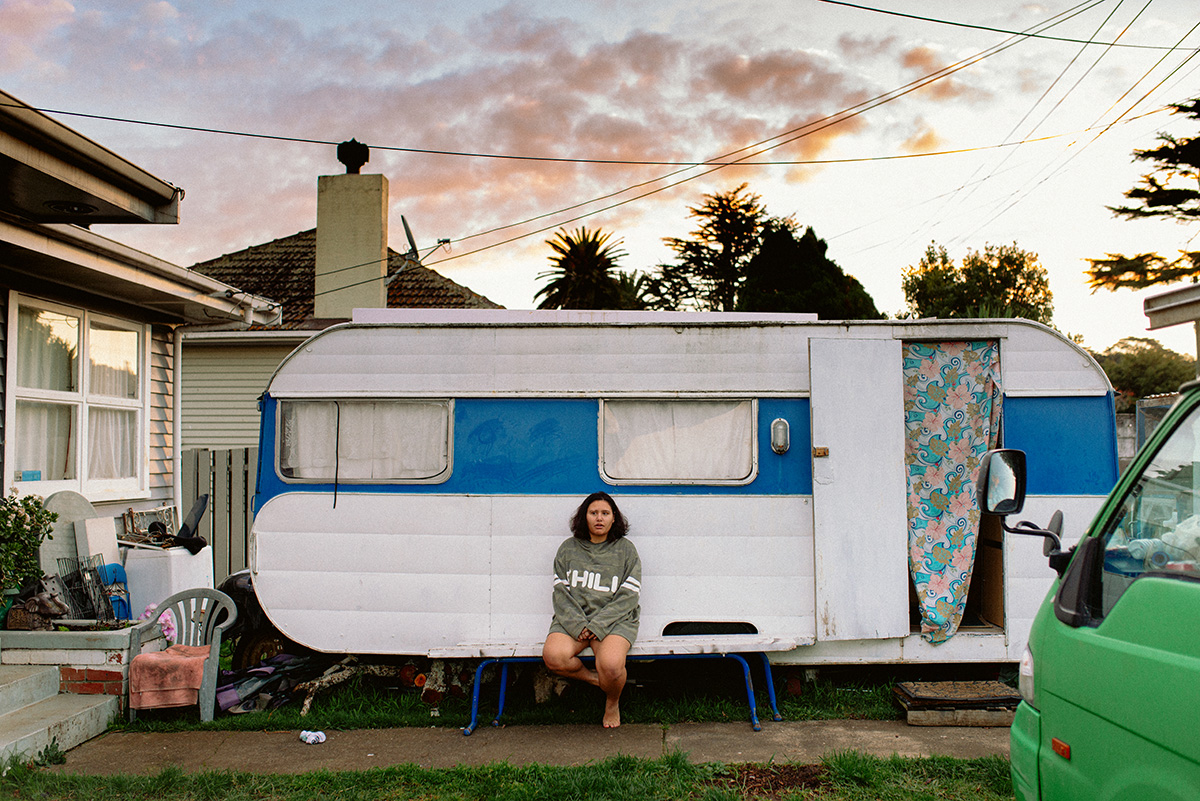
(503, 692)
(770, 686)
(475, 697)
(749, 691)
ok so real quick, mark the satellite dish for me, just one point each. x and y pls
(413, 256)
(412, 243)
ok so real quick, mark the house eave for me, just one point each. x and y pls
(70, 257)
(1173, 307)
(54, 174)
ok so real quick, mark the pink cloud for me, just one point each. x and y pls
(923, 61)
(857, 47)
(925, 140)
(23, 25)
(508, 84)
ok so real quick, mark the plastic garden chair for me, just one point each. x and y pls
(201, 617)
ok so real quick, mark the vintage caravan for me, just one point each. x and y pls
(809, 482)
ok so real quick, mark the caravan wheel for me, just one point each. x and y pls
(255, 646)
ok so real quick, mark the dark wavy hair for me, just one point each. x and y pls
(579, 524)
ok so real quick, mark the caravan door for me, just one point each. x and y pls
(860, 534)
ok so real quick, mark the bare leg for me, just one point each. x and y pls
(561, 655)
(610, 669)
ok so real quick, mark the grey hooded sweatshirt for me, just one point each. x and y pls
(597, 586)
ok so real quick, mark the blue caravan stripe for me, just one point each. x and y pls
(1070, 443)
(535, 446)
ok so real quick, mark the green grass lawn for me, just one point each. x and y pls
(849, 776)
(662, 693)
(658, 693)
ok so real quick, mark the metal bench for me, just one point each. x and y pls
(710, 646)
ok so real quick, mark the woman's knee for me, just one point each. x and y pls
(610, 666)
(557, 656)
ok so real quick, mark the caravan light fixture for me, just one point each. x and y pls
(781, 438)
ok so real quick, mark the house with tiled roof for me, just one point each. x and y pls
(318, 277)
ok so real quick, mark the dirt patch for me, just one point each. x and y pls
(771, 781)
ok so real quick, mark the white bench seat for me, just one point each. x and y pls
(644, 647)
(699, 646)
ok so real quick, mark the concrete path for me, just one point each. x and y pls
(282, 752)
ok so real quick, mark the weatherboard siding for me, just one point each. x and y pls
(221, 385)
(162, 412)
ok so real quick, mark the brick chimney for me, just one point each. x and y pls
(352, 243)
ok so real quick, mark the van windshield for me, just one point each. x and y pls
(1157, 527)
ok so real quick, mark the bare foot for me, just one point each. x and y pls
(612, 715)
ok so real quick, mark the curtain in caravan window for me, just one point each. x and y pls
(375, 441)
(694, 441)
(952, 405)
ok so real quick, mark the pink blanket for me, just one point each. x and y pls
(167, 678)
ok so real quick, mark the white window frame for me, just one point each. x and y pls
(439, 478)
(695, 482)
(81, 400)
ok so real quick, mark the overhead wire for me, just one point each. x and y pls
(989, 28)
(712, 165)
(829, 120)
(1079, 52)
(719, 162)
(1075, 153)
(929, 154)
(468, 154)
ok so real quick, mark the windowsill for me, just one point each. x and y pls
(48, 488)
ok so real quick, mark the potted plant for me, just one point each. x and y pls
(24, 525)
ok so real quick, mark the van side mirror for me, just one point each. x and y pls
(1000, 485)
(1000, 490)
(1078, 594)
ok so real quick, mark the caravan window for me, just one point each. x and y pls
(678, 442)
(365, 441)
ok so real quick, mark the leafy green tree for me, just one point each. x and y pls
(1140, 271)
(794, 275)
(999, 281)
(1140, 366)
(1171, 190)
(632, 290)
(711, 262)
(582, 275)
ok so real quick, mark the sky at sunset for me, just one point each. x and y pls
(816, 90)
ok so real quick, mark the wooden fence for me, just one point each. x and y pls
(228, 478)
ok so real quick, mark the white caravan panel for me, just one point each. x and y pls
(859, 503)
(407, 574)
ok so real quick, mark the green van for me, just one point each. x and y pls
(1111, 674)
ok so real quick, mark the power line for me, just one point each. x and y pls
(828, 121)
(1078, 54)
(994, 30)
(794, 134)
(1194, 52)
(465, 154)
(930, 154)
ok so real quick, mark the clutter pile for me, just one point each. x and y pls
(92, 589)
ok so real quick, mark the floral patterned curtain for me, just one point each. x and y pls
(952, 405)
